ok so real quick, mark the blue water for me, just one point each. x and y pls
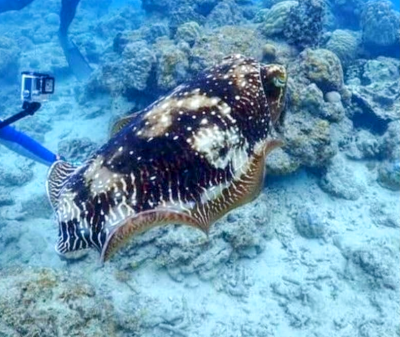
(141, 128)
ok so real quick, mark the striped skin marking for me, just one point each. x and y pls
(189, 158)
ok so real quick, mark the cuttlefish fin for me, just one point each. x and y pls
(241, 191)
(56, 178)
(120, 124)
(142, 222)
(272, 145)
(246, 189)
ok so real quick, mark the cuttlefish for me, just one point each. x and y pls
(189, 158)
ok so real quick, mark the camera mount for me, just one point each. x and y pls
(28, 108)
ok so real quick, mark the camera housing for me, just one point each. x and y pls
(36, 87)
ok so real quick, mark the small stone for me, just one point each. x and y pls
(389, 175)
(333, 97)
(310, 225)
(52, 19)
(269, 52)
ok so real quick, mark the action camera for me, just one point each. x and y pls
(35, 87)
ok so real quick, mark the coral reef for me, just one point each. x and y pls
(373, 265)
(225, 13)
(269, 52)
(317, 96)
(312, 100)
(345, 44)
(43, 302)
(364, 145)
(224, 41)
(9, 60)
(304, 23)
(132, 74)
(183, 251)
(275, 20)
(380, 24)
(308, 140)
(280, 163)
(389, 175)
(298, 23)
(135, 64)
(390, 146)
(321, 67)
(347, 13)
(341, 181)
(17, 177)
(375, 102)
(172, 65)
(323, 230)
(36, 206)
(189, 32)
(76, 149)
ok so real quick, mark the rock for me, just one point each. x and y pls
(137, 65)
(310, 225)
(341, 181)
(311, 100)
(389, 175)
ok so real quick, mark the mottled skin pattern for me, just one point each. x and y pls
(184, 159)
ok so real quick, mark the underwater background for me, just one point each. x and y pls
(315, 255)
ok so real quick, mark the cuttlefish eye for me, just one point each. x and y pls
(274, 80)
(280, 80)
